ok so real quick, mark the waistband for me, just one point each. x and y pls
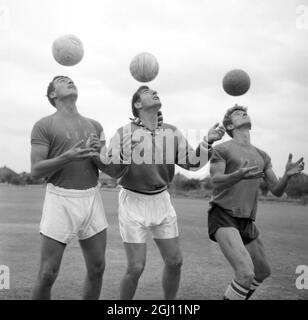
(142, 195)
(71, 192)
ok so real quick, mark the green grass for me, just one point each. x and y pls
(205, 271)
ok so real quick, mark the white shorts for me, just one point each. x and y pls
(68, 213)
(139, 213)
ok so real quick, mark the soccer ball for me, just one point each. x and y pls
(236, 82)
(144, 67)
(68, 50)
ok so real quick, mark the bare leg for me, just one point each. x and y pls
(171, 253)
(136, 258)
(93, 250)
(261, 267)
(51, 256)
(233, 248)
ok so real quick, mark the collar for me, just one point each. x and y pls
(137, 121)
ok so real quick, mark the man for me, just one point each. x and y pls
(73, 205)
(237, 168)
(144, 202)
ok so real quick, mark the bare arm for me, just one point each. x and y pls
(42, 167)
(197, 159)
(278, 187)
(221, 180)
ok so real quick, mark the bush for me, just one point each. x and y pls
(16, 180)
(207, 183)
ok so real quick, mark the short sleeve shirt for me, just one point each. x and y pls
(60, 133)
(240, 200)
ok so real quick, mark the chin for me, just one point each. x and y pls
(158, 105)
(72, 94)
(246, 125)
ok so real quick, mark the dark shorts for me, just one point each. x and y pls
(220, 218)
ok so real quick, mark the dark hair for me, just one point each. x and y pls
(51, 88)
(136, 98)
(227, 118)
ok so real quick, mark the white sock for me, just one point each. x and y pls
(235, 291)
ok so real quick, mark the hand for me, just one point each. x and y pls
(215, 133)
(294, 168)
(77, 153)
(248, 173)
(94, 142)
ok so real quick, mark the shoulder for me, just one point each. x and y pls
(262, 153)
(224, 146)
(45, 122)
(170, 127)
(220, 151)
(95, 123)
(127, 128)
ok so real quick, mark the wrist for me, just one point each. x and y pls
(239, 174)
(208, 141)
(65, 158)
(287, 175)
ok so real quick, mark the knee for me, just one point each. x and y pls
(245, 276)
(174, 263)
(135, 270)
(262, 274)
(48, 276)
(96, 271)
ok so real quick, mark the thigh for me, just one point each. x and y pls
(257, 252)
(170, 249)
(233, 248)
(51, 253)
(94, 248)
(135, 253)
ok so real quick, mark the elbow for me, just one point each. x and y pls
(34, 174)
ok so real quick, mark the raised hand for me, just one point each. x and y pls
(76, 153)
(248, 173)
(215, 133)
(294, 168)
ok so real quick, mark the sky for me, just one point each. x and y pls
(195, 42)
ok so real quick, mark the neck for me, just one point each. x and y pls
(149, 118)
(242, 136)
(67, 106)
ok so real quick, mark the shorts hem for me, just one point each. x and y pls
(56, 238)
(93, 234)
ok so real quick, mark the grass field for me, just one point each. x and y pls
(284, 230)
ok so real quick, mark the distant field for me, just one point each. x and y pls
(284, 230)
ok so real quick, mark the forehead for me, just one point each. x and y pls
(61, 79)
(145, 90)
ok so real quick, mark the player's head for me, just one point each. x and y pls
(145, 98)
(236, 118)
(61, 87)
